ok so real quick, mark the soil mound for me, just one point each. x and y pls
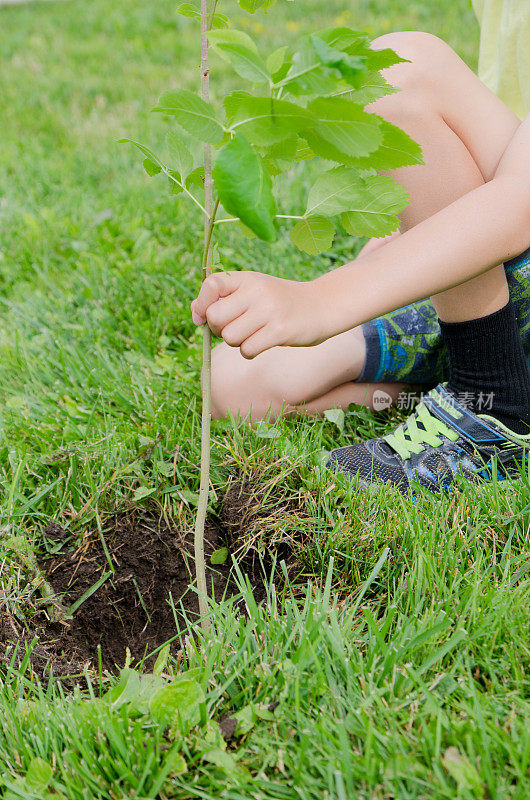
(129, 585)
(135, 583)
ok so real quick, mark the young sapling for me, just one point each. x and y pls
(300, 104)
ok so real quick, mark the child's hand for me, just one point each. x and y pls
(254, 312)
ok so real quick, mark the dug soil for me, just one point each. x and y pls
(128, 586)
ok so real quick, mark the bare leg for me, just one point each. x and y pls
(464, 130)
(286, 379)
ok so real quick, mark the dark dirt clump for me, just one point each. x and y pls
(134, 583)
(143, 603)
(259, 532)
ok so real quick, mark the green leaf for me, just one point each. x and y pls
(196, 178)
(373, 87)
(179, 702)
(165, 468)
(246, 231)
(175, 763)
(320, 67)
(134, 690)
(342, 130)
(264, 120)
(463, 772)
(162, 659)
(357, 43)
(264, 430)
(303, 151)
(213, 737)
(219, 556)
(192, 113)
(180, 155)
(313, 235)
(351, 68)
(189, 497)
(334, 191)
(280, 156)
(39, 775)
(245, 62)
(396, 150)
(254, 5)
(151, 167)
(349, 40)
(142, 492)
(307, 74)
(188, 10)
(145, 150)
(245, 187)
(174, 182)
(380, 199)
(147, 687)
(383, 59)
(262, 712)
(277, 59)
(246, 719)
(225, 761)
(232, 36)
(335, 416)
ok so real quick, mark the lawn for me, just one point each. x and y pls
(362, 646)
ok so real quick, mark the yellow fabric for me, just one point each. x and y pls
(504, 63)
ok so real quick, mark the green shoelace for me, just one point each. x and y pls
(410, 438)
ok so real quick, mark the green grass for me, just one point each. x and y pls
(406, 674)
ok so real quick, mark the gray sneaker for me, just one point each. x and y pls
(440, 440)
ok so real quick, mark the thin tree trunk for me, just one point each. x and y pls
(200, 566)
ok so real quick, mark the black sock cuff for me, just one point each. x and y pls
(486, 356)
(502, 322)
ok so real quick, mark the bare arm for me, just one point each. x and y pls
(479, 231)
(374, 244)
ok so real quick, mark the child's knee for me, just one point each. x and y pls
(223, 379)
(232, 384)
(427, 54)
(413, 45)
(240, 386)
